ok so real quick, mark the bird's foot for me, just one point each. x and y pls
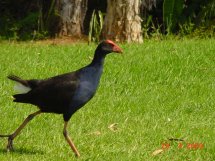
(77, 155)
(10, 144)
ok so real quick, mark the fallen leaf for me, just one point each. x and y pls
(95, 133)
(113, 127)
(158, 151)
(176, 139)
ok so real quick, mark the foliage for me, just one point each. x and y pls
(49, 18)
(186, 28)
(150, 30)
(27, 20)
(146, 26)
(18, 20)
(181, 17)
(203, 32)
(199, 16)
(39, 19)
(156, 91)
(172, 10)
(96, 24)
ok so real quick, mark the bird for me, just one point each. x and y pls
(62, 94)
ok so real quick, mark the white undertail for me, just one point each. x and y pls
(21, 89)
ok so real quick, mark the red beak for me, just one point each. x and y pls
(117, 49)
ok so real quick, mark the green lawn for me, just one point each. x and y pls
(156, 91)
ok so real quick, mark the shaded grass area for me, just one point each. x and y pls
(156, 91)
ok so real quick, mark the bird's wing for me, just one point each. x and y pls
(55, 91)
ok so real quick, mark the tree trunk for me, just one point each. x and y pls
(122, 21)
(72, 13)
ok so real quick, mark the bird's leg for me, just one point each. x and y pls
(13, 135)
(68, 139)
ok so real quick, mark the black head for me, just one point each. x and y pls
(108, 46)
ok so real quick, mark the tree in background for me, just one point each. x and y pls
(72, 13)
(68, 18)
(122, 21)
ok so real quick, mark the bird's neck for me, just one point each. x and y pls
(98, 59)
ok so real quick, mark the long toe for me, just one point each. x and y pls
(77, 155)
(10, 144)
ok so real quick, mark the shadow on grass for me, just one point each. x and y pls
(23, 151)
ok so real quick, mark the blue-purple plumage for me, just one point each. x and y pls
(65, 94)
(62, 94)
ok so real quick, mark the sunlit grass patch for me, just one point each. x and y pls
(155, 91)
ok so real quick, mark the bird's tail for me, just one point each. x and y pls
(23, 98)
(21, 86)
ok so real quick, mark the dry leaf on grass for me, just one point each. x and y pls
(176, 139)
(113, 127)
(95, 133)
(156, 152)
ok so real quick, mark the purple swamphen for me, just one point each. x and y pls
(62, 94)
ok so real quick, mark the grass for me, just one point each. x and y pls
(155, 91)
